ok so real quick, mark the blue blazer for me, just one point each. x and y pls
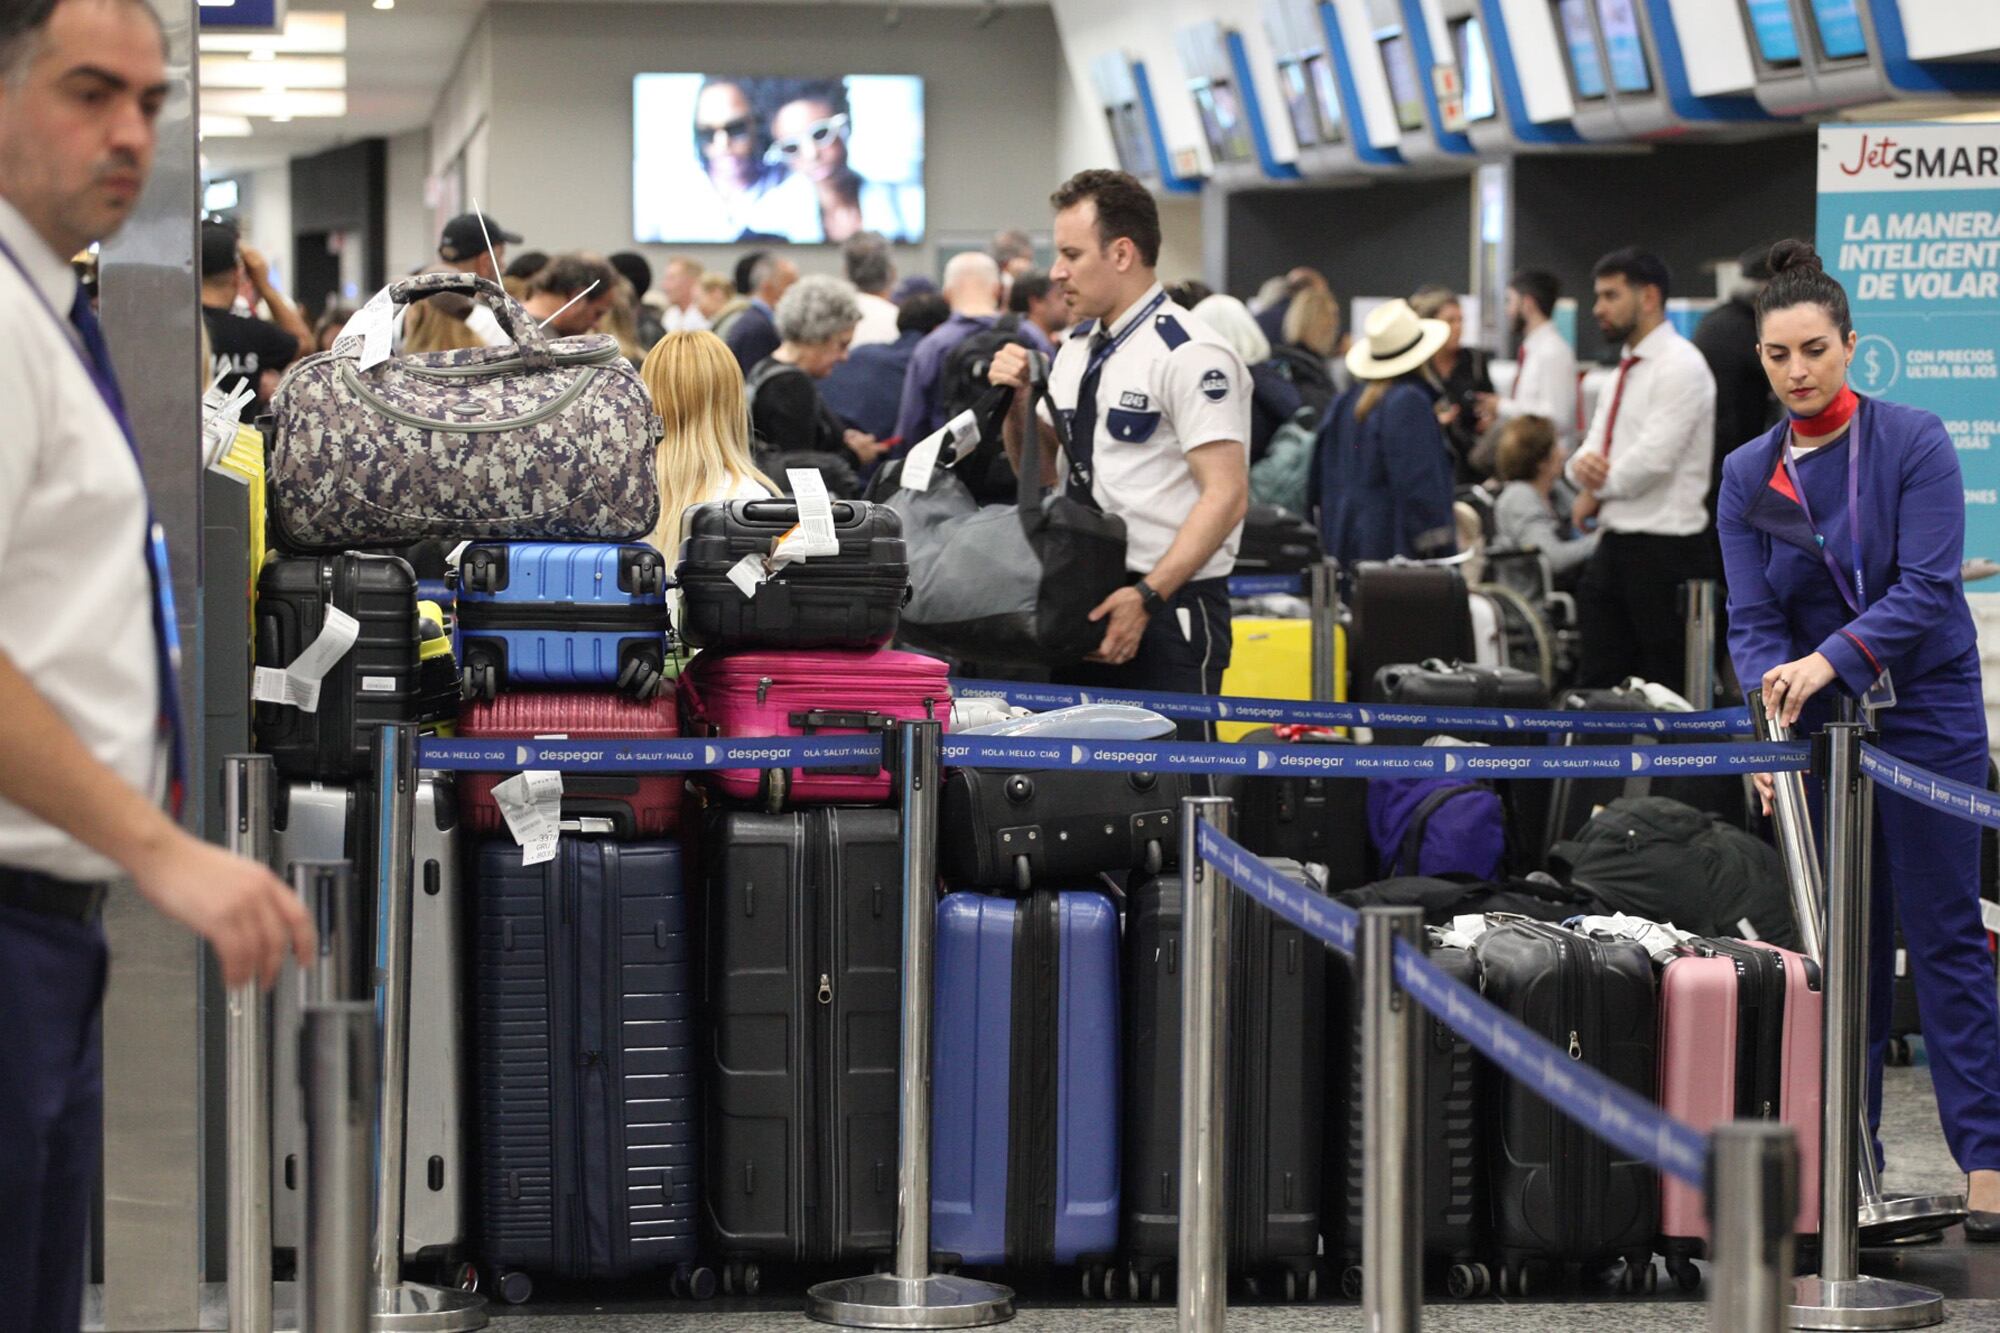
(1382, 487)
(1912, 529)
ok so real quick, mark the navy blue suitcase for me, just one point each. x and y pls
(1024, 1111)
(585, 1065)
(548, 613)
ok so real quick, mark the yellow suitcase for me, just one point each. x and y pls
(1272, 659)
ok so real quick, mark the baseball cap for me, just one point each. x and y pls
(218, 249)
(462, 238)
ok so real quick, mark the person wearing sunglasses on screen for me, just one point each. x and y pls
(730, 144)
(824, 198)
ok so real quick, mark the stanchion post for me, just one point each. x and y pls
(399, 1304)
(246, 797)
(1204, 1237)
(341, 970)
(337, 1073)
(1839, 1297)
(1793, 817)
(1698, 601)
(1753, 1199)
(1323, 594)
(913, 1296)
(1392, 1095)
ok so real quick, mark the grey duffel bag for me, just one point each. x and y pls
(537, 441)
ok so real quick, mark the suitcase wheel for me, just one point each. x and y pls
(775, 781)
(478, 574)
(1467, 1281)
(1350, 1282)
(691, 1282)
(1899, 1055)
(466, 1277)
(515, 1288)
(741, 1279)
(480, 679)
(1098, 1280)
(1685, 1275)
(640, 679)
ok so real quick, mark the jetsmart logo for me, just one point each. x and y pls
(1882, 155)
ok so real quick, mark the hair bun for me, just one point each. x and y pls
(1795, 256)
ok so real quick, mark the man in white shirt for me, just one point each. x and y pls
(873, 273)
(87, 694)
(1165, 406)
(1643, 472)
(1544, 365)
(678, 285)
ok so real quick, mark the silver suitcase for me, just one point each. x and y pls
(313, 822)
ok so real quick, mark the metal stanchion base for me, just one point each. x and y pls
(884, 1300)
(1892, 1221)
(1865, 1303)
(415, 1308)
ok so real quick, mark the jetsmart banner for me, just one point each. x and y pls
(1909, 221)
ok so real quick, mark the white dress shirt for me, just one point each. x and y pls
(683, 318)
(1664, 444)
(76, 608)
(878, 320)
(1170, 388)
(1545, 383)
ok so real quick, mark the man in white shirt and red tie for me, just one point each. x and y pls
(88, 727)
(1643, 472)
(1544, 365)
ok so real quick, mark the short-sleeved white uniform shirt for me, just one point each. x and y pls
(1169, 387)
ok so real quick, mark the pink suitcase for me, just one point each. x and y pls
(1739, 1040)
(794, 692)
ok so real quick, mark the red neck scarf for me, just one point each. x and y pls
(1830, 420)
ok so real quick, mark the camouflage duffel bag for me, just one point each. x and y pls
(541, 440)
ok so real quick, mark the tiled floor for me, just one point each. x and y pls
(1969, 1276)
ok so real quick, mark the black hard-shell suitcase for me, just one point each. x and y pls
(1563, 1197)
(373, 683)
(1004, 830)
(850, 600)
(1406, 613)
(1442, 898)
(1450, 1129)
(585, 1058)
(1440, 684)
(1277, 541)
(1318, 820)
(1277, 1052)
(803, 920)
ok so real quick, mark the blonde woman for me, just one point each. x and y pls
(704, 456)
(429, 327)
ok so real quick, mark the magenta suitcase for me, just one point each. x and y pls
(798, 692)
(1739, 1040)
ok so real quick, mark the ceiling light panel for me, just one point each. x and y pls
(306, 34)
(285, 71)
(224, 127)
(299, 103)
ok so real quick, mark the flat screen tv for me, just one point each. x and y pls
(723, 158)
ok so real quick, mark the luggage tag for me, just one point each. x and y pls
(531, 803)
(298, 685)
(920, 465)
(375, 325)
(222, 416)
(813, 535)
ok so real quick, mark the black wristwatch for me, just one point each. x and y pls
(1149, 597)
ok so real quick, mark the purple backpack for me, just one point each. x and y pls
(1436, 826)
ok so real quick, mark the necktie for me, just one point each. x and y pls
(1520, 367)
(1083, 423)
(166, 632)
(1617, 397)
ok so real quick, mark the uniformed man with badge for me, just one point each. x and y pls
(1158, 410)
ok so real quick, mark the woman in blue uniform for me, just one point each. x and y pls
(1842, 534)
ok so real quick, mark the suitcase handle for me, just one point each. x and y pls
(813, 719)
(787, 512)
(589, 826)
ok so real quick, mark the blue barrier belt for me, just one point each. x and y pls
(1967, 802)
(1206, 708)
(1605, 1107)
(1373, 760)
(1259, 585)
(509, 754)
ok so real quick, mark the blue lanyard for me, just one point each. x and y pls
(1103, 354)
(1856, 597)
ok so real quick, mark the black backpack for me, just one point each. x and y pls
(961, 384)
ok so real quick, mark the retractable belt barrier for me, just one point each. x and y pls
(1211, 708)
(1608, 1109)
(637, 756)
(1264, 585)
(1967, 802)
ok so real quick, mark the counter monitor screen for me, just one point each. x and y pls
(1777, 39)
(1627, 49)
(725, 158)
(1581, 40)
(1128, 139)
(1311, 100)
(1222, 121)
(1404, 90)
(1840, 35)
(1476, 69)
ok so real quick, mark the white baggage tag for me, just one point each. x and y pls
(531, 803)
(298, 684)
(748, 574)
(814, 536)
(375, 325)
(920, 465)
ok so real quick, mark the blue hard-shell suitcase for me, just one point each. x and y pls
(546, 613)
(585, 1064)
(1025, 1152)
